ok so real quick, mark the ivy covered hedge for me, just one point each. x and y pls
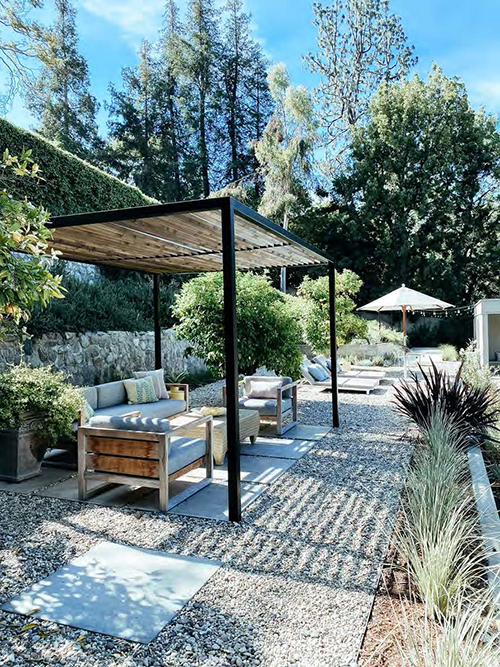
(70, 184)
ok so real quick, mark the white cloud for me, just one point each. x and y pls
(485, 93)
(135, 18)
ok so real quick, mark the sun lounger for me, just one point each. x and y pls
(367, 374)
(344, 382)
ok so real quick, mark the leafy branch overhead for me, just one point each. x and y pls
(25, 278)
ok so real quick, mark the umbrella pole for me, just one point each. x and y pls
(404, 342)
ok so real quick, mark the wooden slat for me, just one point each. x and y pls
(180, 243)
(90, 431)
(123, 466)
(120, 447)
(113, 478)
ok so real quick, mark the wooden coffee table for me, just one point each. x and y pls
(249, 428)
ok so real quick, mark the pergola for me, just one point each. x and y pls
(219, 234)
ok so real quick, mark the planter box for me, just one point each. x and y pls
(22, 450)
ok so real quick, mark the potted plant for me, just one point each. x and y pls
(37, 407)
(176, 393)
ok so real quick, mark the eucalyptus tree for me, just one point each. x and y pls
(61, 98)
(21, 44)
(285, 151)
(360, 45)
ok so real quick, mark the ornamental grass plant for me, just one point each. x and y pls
(467, 636)
(437, 534)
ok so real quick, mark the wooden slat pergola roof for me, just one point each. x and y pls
(180, 237)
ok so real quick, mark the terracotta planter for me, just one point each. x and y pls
(22, 450)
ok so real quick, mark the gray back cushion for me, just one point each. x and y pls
(111, 393)
(268, 378)
(149, 424)
(90, 393)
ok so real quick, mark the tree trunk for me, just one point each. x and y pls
(203, 147)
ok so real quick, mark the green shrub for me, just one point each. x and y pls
(70, 185)
(104, 305)
(41, 390)
(378, 360)
(376, 334)
(473, 372)
(268, 332)
(429, 333)
(448, 352)
(315, 318)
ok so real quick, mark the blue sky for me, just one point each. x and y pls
(459, 35)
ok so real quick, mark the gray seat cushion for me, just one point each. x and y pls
(183, 451)
(265, 406)
(163, 408)
(111, 393)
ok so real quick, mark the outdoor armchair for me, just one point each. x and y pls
(274, 398)
(142, 452)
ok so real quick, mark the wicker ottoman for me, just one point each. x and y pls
(249, 428)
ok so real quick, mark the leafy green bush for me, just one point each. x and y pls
(40, 390)
(70, 185)
(376, 334)
(448, 352)
(268, 332)
(104, 305)
(316, 310)
(429, 333)
(473, 372)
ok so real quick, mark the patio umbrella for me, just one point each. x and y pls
(405, 299)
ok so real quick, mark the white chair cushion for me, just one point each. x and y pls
(264, 389)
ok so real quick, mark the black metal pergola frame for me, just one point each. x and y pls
(279, 241)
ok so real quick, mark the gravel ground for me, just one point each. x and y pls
(299, 573)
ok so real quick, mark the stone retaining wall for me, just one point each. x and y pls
(93, 358)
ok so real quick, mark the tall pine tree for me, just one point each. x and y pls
(178, 151)
(134, 153)
(61, 97)
(197, 66)
(244, 100)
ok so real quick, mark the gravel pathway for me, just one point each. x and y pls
(299, 573)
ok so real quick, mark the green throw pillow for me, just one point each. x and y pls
(88, 411)
(141, 390)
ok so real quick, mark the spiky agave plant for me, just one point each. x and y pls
(473, 409)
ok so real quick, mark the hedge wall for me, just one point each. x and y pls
(71, 185)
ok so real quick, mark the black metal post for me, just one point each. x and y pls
(333, 345)
(231, 350)
(156, 318)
